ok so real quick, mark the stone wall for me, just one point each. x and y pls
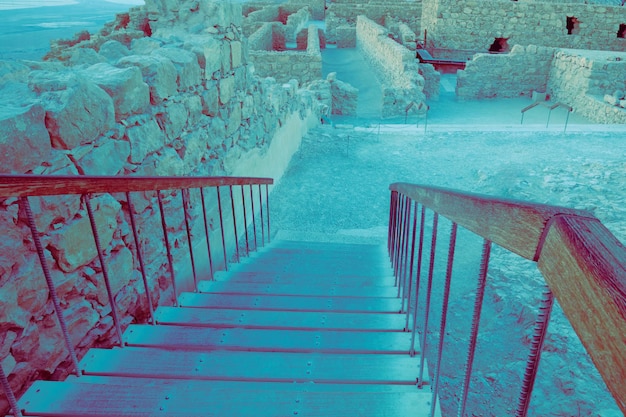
(475, 24)
(294, 17)
(581, 79)
(166, 89)
(395, 66)
(303, 66)
(344, 15)
(518, 73)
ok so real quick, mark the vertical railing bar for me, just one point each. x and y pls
(396, 236)
(245, 220)
(267, 206)
(478, 303)
(8, 392)
(105, 272)
(219, 208)
(206, 231)
(444, 317)
(411, 264)
(398, 239)
(232, 206)
(392, 227)
(398, 270)
(261, 216)
(534, 357)
(50, 283)
(168, 250)
(406, 249)
(183, 193)
(418, 275)
(253, 217)
(428, 296)
(142, 267)
(390, 224)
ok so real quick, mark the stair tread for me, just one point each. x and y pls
(218, 318)
(71, 399)
(305, 289)
(291, 277)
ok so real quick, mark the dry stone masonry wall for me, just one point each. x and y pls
(166, 89)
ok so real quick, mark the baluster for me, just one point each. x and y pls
(478, 303)
(534, 357)
(253, 217)
(206, 232)
(261, 216)
(245, 221)
(444, 317)
(433, 247)
(403, 240)
(8, 392)
(405, 252)
(398, 239)
(105, 273)
(170, 261)
(232, 207)
(219, 208)
(418, 275)
(183, 194)
(411, 264)
(142, 267)
(390, 228)
(51, 288)
(267, 206)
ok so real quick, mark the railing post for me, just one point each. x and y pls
(534, 357)
(8, 392)
(478, 304)
(50, 283)
(170, 261)
(105, 273)
(183, 194)
(206, 231)
(444, 317)
(142, 266)
(219, 208)
(418, 275)
(433, 247)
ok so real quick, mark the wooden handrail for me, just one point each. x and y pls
(582, 262)
(42, 185)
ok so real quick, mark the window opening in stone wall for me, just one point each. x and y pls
(621, 32)
(499, 45)
(572, 25)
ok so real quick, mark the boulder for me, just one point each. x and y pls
(187, 66)
(77, 110)
(144, 140)
(108, 158)
(113, 51)
(53, 210)
(126, 87)
(158, 72)
(120, 268)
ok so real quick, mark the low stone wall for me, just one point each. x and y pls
(304, 66)
(432, 81)
(518, 73)
(475, 24)
(581, 79)
(293, 16)
(318, 7)
(394, 64)
(174, 96)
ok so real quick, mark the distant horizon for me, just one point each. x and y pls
(30, 4)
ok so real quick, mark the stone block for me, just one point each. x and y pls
(226, 89)
(158, 72)
(144, 46)
(236, 53)
(610, 99)
(77, 110)
(11, 315)
(144, 140)
(169, 163)
(120, 268)
(174, 119)
(73, 245)
(186, 64)
(126, 87)
(113, 51)
(108, 158)
(24, 141)
(80, 318)
(234, 120)
(210, 99)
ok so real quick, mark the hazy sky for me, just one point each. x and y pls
(24, 4)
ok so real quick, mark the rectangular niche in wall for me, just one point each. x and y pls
(621, 32)
(572, 24)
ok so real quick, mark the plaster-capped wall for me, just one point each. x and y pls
(518, 73)
(394, 64)
(474, 24)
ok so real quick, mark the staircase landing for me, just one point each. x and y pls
(297, 329)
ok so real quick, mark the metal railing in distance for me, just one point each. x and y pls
(166, 191)
(583, 264)
(551, 107)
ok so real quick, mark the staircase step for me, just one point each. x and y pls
(293, 303)
(252, 366)
(207, 339)
(312, 289)
(289, 278)
(295, 320)
(73, 399)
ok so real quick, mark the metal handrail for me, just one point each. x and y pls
(25, 186)
(550, 106)
(583, 263)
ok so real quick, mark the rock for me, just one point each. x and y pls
(108, 158)
(126, 87)
(113, 51)
(186, 63)
(6, 340)
(144, 46)
(612, 100)
(210, 99)
(77, 110)
(82, 56)
(144, 140)
(344, 96)
(13, 72)
(25, 141)
(226, 89)
(174, 119)
(158, 72)
(80, 318)
(73, 245)
(53, 210)
(168, 163)
(11, 315)
(120, 268)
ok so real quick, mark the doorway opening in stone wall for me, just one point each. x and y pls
(621, 32)
(573, 25)
(499, 45)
